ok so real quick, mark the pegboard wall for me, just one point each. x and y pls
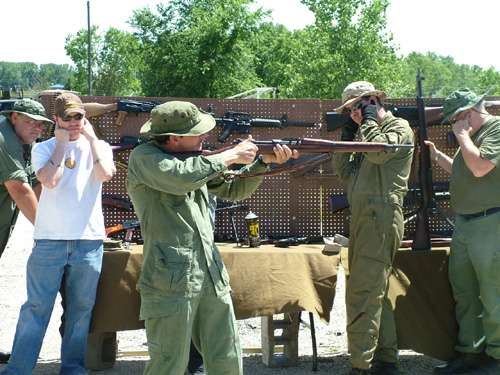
(288, 205)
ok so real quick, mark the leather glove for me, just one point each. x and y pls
(349, 130)
(369, 112)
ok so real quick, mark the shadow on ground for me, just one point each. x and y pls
(338, 364)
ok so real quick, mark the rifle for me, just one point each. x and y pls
(123, 106)
(433, 115)
(304, 145)
(422, 240)
(242, 123)
(128, 225)
(118, 202)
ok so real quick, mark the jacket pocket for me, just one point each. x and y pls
(172, 268)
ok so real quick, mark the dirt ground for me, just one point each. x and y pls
(132, 356)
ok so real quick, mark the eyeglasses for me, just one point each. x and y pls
(31, 121)
(76, 117)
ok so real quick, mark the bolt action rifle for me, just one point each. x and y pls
(323, 148)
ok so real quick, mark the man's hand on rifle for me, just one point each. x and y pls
(282, 153)
(243, 153)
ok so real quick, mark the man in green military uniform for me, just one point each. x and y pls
(474, 262)
(376, 184)
(184, 284)
(19, 128)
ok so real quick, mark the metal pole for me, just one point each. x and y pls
(89, 58)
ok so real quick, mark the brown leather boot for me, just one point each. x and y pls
(462, 364)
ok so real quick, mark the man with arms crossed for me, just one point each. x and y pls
(184, 284)
(474, 263)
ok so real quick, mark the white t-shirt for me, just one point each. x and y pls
(72, 210)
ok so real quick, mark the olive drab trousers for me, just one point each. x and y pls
(474, 271)
(210, 322)
(376, 230)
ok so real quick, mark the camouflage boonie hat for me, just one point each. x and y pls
(459, 101)
(178, 118)
(355, 91)
(30, 108)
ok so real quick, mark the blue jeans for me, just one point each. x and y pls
(80, 261)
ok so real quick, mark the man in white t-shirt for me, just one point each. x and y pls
(69, 232)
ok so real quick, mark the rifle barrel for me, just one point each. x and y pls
(311, 145)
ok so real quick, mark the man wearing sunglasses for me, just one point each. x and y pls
(69, 232)
(474, 262)
(19, 190)
(376, 184)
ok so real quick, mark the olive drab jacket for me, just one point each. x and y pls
(15, 164)
(170, 197)
(378, 174)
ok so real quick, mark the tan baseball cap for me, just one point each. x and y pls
(67, 103)
(355, 91)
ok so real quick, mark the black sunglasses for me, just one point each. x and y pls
(76, 117)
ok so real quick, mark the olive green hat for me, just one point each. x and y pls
(178, 118)
(459, 101)
(30, 108)
(355, 91)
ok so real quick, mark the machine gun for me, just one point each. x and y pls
(243, 122)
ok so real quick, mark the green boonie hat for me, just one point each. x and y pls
(178, 118)
(355, 91)
(30, 108)
(459, 101)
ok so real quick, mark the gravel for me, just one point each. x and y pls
(132, 356)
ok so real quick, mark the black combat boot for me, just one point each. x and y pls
(384, 368)
(463, 363)
(4, 357)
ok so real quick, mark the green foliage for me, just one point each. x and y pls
(29, 76)
(115, 58)
(198, 48)
(443, 75)
(217, 48)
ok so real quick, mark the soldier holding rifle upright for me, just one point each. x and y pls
(475, 248)
(184, 285)
(376, 185)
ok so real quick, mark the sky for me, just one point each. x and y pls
(464, 30)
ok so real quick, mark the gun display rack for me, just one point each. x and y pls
(287, 205)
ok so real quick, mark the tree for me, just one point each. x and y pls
(115, 58)
(198, 48)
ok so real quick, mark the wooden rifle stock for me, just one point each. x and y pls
(127, 224)
(98, 109)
